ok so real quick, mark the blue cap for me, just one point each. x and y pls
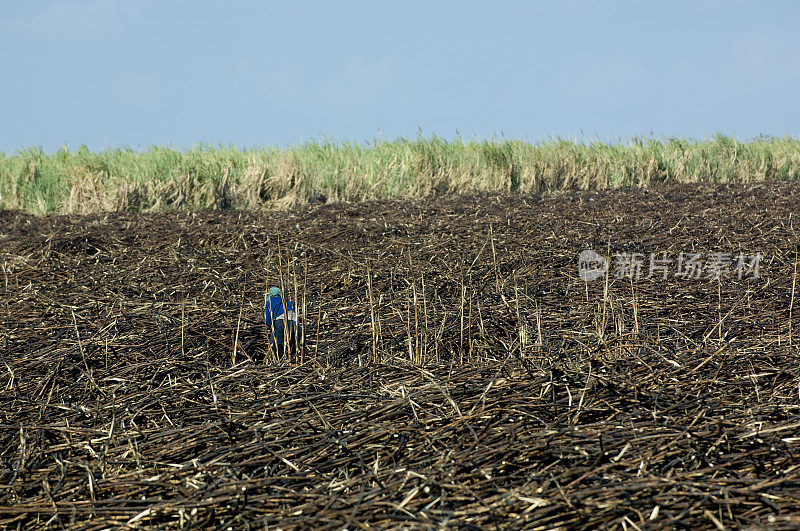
(274, 292)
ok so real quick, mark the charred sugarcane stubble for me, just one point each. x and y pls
(455, 370)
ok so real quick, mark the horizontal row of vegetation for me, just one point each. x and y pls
(161, 179)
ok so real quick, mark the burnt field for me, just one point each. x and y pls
(456, 371)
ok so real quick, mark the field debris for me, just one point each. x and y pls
(456, 371)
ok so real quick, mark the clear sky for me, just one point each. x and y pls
(147, 72)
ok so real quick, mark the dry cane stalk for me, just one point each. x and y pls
(283, 282)
(425, 313)
(719, 308)
(520, 324)
(316, 344)
(296, 332)
(470, 340)
(372, 315)
(605, 294)
(791, 301)
(494, 260)
(305, 291)
(408, 331)
(538, 325)
(267, 324)
(416, 322)
(635, 310)
(461, 327)
(236, 336)
(183, 325)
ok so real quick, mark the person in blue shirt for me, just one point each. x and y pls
(283, 327)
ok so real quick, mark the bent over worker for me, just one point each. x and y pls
(283, 327)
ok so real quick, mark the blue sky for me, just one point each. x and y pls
(144, 72)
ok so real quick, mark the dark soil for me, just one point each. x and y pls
(456, 370)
